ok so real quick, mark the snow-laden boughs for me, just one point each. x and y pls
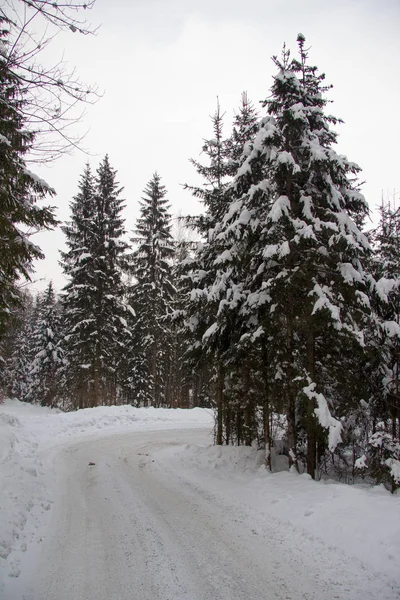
(289, 258)
(383, 341)
(94, 310)
(324, 416)
(18, 349)
(382, 457)
(47, 354)
(151, 296)
(212, 272)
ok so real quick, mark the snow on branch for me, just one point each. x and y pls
(324, 302)
(384, 287)
(210, 332)
(391, 328)
(280, 206)
(324, 416)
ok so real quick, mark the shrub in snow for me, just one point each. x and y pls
(382, 458)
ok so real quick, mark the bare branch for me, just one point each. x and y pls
(50, 96)
(59, 14)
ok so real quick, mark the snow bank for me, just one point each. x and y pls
(28, 434)
(23, 497)
(48, 425)
(360, 520)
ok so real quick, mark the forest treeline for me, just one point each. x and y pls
(283, 317)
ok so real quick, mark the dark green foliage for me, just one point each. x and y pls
(93, 298)
(152, 297)
(47, 354)
(210, 347)
(279, 292)
(20, 190)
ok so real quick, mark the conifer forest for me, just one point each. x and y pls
(278, 306)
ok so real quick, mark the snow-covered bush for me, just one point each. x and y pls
(382, 458)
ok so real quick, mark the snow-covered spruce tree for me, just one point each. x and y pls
(17, 349)
(380, 453)
(152, 296)
(182, 380)
(244, 382)
(78, 294)
(387, 305)
(93, 298)
(200, 268)
(20, 190)
(188, 385)
(307, 291)
(47, 360)
(109, 257)
(214, 347)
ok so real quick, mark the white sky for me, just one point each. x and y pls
(162, 63)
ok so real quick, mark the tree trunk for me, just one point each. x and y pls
(220, 405)
(248, 409)
(266, 410)
(311, 425)
(291, 397)
(154, 374)
(266, 420)
(239, 418)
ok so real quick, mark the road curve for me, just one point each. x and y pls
(127, 528)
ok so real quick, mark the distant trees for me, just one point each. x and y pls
(17, 349)
(94, 311)
(32, 369)
(152, 296)
(46, 352)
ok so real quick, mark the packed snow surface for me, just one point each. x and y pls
(162, 514)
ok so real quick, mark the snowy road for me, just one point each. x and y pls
(132, 527)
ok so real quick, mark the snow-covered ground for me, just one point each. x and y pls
(165, 515)
(29, 438)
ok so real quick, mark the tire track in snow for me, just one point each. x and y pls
(131, 528)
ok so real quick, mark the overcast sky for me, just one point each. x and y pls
(162, 63)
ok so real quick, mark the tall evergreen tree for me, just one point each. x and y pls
(94, 309)
(307, 288)
(386, 266)
(78, 294)
(201, 267)
(212, 346)
(152, 295)
(287, 292)
(109, 261)
(380, 444)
